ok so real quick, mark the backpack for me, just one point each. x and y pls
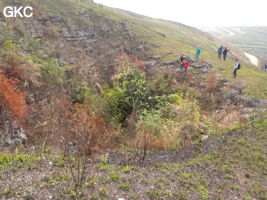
(239, 66)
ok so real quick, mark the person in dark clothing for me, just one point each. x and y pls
(182, 58)
(225, 52)
(220, 51)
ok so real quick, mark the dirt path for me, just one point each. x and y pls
(253, 59)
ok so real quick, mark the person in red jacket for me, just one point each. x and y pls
(185, 65)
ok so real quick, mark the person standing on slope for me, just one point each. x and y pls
(220, 51)
(237, 66)
(198, 52)
(185, 64)
(225, 52)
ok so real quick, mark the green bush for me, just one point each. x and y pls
(53, 74)
(129, 94)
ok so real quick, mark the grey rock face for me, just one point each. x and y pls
(251, 102)
(12, 135)
(150, 63)
(238, 86)
(173, 62)
(230, 92)
(156, 57)
(205, 70)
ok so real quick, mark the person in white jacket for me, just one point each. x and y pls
(236, 67)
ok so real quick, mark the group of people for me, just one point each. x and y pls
(222, 51)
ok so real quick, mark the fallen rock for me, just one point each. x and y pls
(205, 70)
(156, 57)
(196, 66)
(238, 86)
(250, 102)
(150, 63)
(230, 92)
(202, 85)
(169, 62)
(204, 137)
(201, 65)
(171, 66)
(155, 45)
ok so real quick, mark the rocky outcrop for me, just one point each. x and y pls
(232, 90)
(202, 66)
(90, 40)
(168, 63)
(240, 86)
(250, 102)
(12, 134)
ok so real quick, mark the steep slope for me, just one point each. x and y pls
(112, 31)
(75, 44)
(71, 56)
(91, 35)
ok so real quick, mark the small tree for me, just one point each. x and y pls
(130, 92)
(84, 134)
(148, 135)
(211, 82)
(12, 103)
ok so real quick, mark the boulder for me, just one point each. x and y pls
(196, 66)
(202, 85)
(11, 137)
(201, 65)
(172, 66)
(156, 57)
(155, 45)
(230, 92)
(238, 86)
(150, 63)
(204, 137)
(205, 70)
(169, 62)
(251, 102)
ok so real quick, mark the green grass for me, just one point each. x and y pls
(18, 160)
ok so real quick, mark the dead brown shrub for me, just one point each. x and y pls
(83, 134)
(211, 82)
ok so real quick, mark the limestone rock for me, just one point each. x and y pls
(173, 62)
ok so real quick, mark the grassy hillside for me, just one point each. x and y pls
(179, 38)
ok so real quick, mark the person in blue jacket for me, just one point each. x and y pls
(220, 51)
